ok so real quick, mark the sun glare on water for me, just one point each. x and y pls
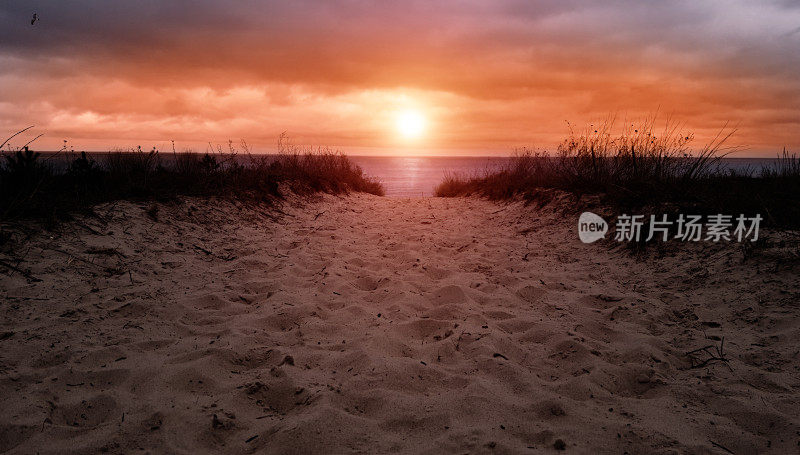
(410, 124)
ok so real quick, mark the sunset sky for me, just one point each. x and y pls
(484, 77)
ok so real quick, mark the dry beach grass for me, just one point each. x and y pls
(31, 187)
(640, 167)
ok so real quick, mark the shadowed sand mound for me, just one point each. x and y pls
(374, 325)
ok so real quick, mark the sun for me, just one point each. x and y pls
(410, 124)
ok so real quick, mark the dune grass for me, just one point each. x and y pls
(31, 186)
(640, 168)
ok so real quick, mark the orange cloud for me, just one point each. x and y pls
(489, 76)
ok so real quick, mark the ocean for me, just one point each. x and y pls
(418, 176)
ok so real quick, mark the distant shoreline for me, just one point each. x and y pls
(46, 153)
(418, 176)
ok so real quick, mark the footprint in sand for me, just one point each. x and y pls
(12, 435)
(280, 394)
(366, 284)
(498, 315)
(436, 274)
(531, 294)
(87, 413)
(449, 295)
(549, 409)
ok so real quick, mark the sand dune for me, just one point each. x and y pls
(373, 325)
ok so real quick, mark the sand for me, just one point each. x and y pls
(362, 324)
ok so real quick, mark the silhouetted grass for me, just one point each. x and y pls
(639, 168)
(30, 186)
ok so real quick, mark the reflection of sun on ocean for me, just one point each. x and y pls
(410, 124)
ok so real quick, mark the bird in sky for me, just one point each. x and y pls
(34, 18)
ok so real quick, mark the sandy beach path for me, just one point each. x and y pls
(377, 325)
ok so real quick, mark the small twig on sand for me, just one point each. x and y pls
(70, 255)
(210, 253)
(24, 273)
(721, 447)
(714, 354)
(105, 252)
(88, 228)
